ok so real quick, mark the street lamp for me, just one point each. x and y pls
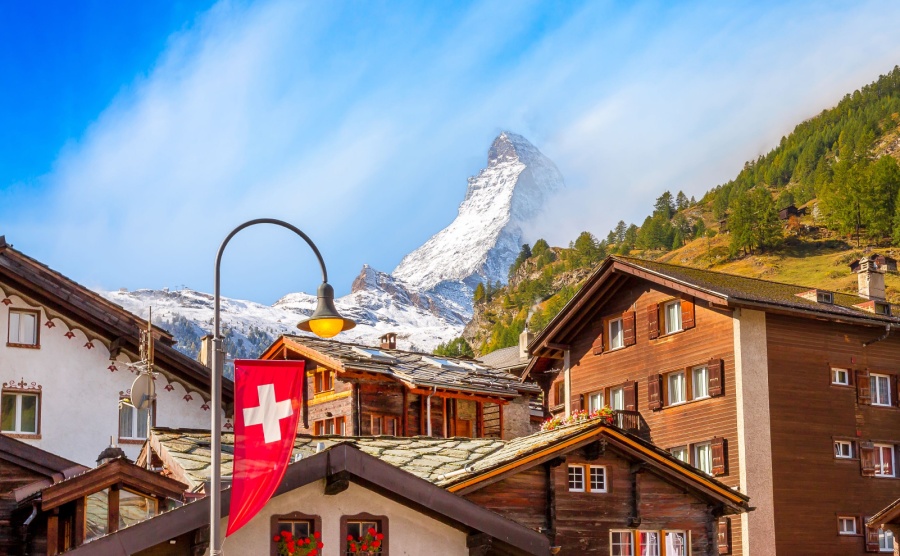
(325, 322)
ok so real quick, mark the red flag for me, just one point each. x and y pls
(267, 399)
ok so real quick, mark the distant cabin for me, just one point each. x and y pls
(789, 211)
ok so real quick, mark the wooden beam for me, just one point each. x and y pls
(79, 522)
(53, 533)
(461, 395)
(337, 483)
(559, 347)
(404, 419)
(479, 419)
(444, 417)
(112, 523)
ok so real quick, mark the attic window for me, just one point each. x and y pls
(882, 309)
(374, 354)
(825, 297)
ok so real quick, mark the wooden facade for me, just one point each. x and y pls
(792, 347)
(351, 399)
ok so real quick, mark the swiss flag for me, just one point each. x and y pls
(267, 399)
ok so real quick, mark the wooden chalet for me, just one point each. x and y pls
(784, 393)
(360, 390)
(586, 487)
(66, 366)
(883, 524)
(335, 491)
(790, 211)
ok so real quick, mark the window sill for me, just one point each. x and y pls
(689, 402)
(26, 346)
(132, 440)
(883, 405)
(610, 350)
(22, 435)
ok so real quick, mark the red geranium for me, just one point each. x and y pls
(287, 545)
(370, 543)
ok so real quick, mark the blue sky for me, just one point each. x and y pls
(136, 135)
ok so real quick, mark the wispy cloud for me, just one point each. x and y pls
(360, 123)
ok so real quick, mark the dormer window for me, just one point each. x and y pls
(882, 309)
(825, 297)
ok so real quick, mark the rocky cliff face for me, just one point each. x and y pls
(426, 300)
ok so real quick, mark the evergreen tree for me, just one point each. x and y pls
(681, 201)
(619, 232)
(880, 197)
(457, 347)
(664, 205)
(479, 295)
(586, 249)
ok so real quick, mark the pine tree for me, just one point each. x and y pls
(681, 201)
(664, 205)
(478, 296)
(620, 232)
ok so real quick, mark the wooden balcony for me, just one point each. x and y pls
(633, 422)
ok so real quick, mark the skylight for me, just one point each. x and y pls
(374, 354)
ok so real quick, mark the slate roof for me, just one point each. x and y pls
(505, 358)
(755, 290)
(418, 370)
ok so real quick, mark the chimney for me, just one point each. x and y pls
(205, 356)
(524, 339)
(870, 278)
(389, 341)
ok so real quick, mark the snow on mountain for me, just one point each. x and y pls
(485, 238)
(426, 300)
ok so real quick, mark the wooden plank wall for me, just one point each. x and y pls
(811, 487)
(13, 476)
(711, 337)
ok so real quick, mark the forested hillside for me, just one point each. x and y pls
(840, 168)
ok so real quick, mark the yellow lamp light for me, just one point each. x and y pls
(326, 322)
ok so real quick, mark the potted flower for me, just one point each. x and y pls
(366, 545)
(288, 545)
(605, 414)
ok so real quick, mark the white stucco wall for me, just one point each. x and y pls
(751, 362)
(79, 393)
(409, 533)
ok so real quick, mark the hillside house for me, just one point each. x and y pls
(785, 393)
(358, 390)
(65, 366)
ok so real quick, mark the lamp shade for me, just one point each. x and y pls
(326, 322)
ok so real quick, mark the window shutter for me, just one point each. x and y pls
(719, 466)
(716, 371)
(628, 330)
(687, 313)
(578, 402)
(863, 388)
(724, 537)
(894, 400)
(871, 536)
(629, 391)
(653, 321)
(867, 459)
(654, 391)
(597, 348)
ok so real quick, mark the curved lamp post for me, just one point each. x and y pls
(325, 322)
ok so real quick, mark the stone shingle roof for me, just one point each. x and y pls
(505, 358)
(756, 290)
(420, 369)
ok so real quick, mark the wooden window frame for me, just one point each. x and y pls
(18, 392)
(586, 478)
(873, 392)
(559, 392)
(293, 516)
(848, 374)
(381, 519)
(882, 533)
(630, 535)
(608, 327)
(879, 463)
(638, 541)
(37, 328)
(695, 456)
(609, 397)
(687, 537)
(856, 529)
(320, 378)
(590, 395)
(664, 317)
(667, 388)
(693, 396)
(337, 422)
(687, 452)
(569, 478)
(383, 421)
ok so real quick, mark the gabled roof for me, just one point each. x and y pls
(890, 514)
(716, 288)
(415, 369)
(104, 321)
(506, 359)
(457, 464)
(346, 460)
(54, 468)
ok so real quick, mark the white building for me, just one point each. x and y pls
(64, 367)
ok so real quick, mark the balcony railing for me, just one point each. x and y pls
(633, 422)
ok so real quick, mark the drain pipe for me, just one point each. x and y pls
(428, 410)
(24, 527)
(887, 332)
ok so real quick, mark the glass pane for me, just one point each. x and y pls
(576, 478)
(126, 421)
(617, 399)
(96, 513)
(29, 413)
(27, 329)
(13, 327)
(595, 402)
(704, 458)
(142, 423)
(701, 383)
(675, 544)
(359, 529)
(598, 479)
(8, 413)
(134, 508)
(676, 388)
(649, 543)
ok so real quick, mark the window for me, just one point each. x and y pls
(621, 543)
(576, 478)
(824, 297)
(134, 508)
(649, 543)
(617, 398)
(882, 309)
(840, 377)
(132, 422)
(366, 528)
(598, 478)
(384, 424)
(846, 525)
(616, 334)
(96, 512)
(703, 457)
(681, 452)
(885, 541)
(20, 412)
(334, 425)
(843, 449)
(677, 388)
(699, 382)
(595, 401)
(23, 327)
(884, 460)
(560, 392)
(324, 382)
(672, 316)
(298, 524)
(676, 543)
(881, 389)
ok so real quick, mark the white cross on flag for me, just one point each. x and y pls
(267, 399)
